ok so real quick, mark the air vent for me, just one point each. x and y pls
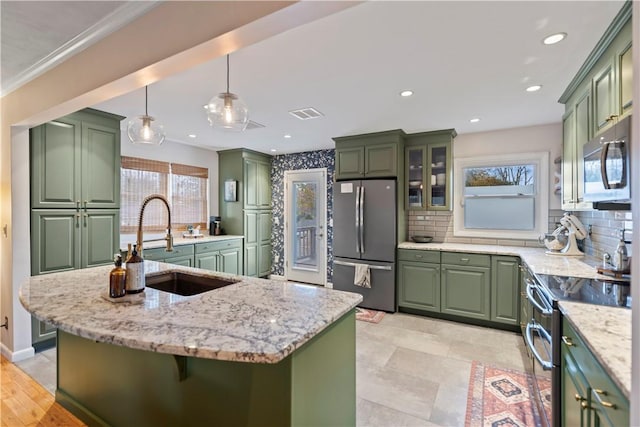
(306, 113)
(253, 125)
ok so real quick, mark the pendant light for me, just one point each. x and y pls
(144, 129)
(227, 111)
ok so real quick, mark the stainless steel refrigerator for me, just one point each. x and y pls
(364, 232)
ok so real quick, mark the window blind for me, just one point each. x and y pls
(189, 191)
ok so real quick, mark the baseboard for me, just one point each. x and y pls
(16, 356)
(329, 285)
(277, 277)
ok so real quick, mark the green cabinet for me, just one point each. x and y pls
(428, 170)
(373, 155)
(599, 94)
(224, 256)
(419, 280)
(589, 396)
(75, 162)
(505, 289)
(466, 285)
(250, 215)
(181, 255)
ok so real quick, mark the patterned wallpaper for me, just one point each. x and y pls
(297, 161)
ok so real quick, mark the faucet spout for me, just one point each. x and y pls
(168, 237)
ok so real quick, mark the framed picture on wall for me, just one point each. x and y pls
(230, 190)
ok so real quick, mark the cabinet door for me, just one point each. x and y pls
(264, 242)
(505, 289)
(582, 136)
(264, 185)
(55, 164)
(381, 161)
(604, 98)
(55, 241)
(100, 166)
(349, 163)
(568, 159)
(416, 170)
(251, 243)
(574, 394)
(43, 334)
(466, 291)
(100, 236)
(419, 285)
(439, 176)
(626, 80)
(185, 261)
(208, 261)
(250, 184)
(231, 261)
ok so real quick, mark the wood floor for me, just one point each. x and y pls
(27, 403)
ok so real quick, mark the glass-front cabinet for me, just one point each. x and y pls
(428, 170)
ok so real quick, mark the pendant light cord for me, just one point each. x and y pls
(146, 100)
(227, 73)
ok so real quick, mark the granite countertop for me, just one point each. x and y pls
(607, 333)
(254, 320)
(606, 330)
(178, 240)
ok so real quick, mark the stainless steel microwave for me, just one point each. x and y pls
(607, 165)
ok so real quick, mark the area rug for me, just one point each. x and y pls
(371, 316)
(500, 397)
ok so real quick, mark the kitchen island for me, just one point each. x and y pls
(256, 352)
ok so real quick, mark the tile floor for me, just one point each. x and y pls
(410, 370)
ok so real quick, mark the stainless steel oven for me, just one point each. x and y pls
(542, 329)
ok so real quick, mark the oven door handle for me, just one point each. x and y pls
(531, 288)
(531, 327)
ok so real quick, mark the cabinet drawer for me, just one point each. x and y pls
(161, 253)
(217, 246)
(418, 255)
(457, 258)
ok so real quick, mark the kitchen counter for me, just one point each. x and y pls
(606, 330)
(607, 333)
(254, 320)
(178, 240)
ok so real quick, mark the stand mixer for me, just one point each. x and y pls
(563, 240)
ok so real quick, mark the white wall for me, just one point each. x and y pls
(516, 140)
(179, 153)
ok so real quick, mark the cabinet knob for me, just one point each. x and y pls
(567, 341)
(464, 259)
(584, 405)
(579, 398)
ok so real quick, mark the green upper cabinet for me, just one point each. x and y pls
(428, 170)
(604, 97)
(625, 77)
(257, 180)
(373, 155)
(505, 289)
(75, 162)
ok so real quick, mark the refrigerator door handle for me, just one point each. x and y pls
(362, 219)
(357, 216)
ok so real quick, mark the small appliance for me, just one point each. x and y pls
(563, 240)
(214, 226)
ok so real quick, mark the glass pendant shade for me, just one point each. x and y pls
(227, 111)
(144, 129)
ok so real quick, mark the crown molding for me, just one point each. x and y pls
(107, 25)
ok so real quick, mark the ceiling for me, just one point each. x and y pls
(463, 60)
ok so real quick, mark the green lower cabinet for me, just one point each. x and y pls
(584, 380)
(419, 285)
(505, 289)
(224, 256)
(207, 261)
(181, 255)
(257, 248)
(466, 291)
(313, 386)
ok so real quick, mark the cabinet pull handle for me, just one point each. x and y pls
(85, 205)
(579, 398)
(77, 205)
(584, 405)
(464, 259)
(597, 394)
(77, 220)
(567, 341)
(418, 256)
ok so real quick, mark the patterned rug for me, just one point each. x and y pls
(371, 316)
(500, 397)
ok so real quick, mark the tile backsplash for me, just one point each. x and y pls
(605, 226)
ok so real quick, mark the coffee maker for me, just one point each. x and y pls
(214, 226)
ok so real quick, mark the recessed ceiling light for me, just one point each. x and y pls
(273, 150)
(534, 88)
(192, 135)
(554, 38)
(475, 120)
(406, 93)
(287, 136)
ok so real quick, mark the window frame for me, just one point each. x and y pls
(541, 194)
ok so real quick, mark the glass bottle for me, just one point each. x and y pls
(117, 279)
(135, 272)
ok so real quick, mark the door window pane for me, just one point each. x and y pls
(306, 224)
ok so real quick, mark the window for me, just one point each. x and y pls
(502, 196)
(184, 186)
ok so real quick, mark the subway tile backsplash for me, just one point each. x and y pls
(605, 226)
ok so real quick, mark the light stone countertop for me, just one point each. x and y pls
(607, 333)
(178, 240)
(606, 330)
(254, 320)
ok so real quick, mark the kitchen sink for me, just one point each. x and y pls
(186, 284)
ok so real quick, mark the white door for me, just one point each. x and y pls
(305, 225)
